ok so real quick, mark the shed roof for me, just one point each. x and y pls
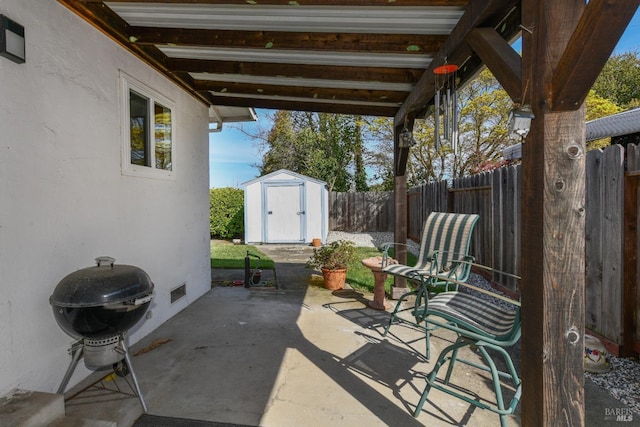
(624, 123)
(285, 171)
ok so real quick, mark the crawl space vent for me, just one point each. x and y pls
(178, 292)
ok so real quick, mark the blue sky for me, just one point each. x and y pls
(232, 154)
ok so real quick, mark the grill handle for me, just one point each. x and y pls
(105, 259)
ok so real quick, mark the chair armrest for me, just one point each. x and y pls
(478, 289)
(385, 247)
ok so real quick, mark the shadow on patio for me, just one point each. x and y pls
(297, 357)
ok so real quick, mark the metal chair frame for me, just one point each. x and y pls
(443, 259)
(470, 319)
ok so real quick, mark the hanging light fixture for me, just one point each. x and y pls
(520, 121)
(405, 139)
(446, 103)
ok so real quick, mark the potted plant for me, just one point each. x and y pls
(332, 260)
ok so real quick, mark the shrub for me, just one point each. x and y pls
(226, 214)
(335, 255)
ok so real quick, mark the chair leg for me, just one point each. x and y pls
(434, 373)
(497, 388)
(394, 314)
(489, 366)
(452, 361)
(428, 341)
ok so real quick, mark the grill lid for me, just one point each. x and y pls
(105, 283)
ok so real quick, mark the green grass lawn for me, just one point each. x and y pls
(227, 255)
(360, 277)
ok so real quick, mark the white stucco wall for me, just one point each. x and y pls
(63, 198)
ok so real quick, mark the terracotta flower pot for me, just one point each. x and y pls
(316, 243)
(334, 279)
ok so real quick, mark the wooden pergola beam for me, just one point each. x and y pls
(453, 51)
(453, 3)
(356, 74)
(503, 61)
(407, 44)
(310, 93)
(596, 35)
(302, 105)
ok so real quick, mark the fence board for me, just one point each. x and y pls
(497, 222)
(512, 210)
(631, 314)
(361, 212)
(517, 224)
(612, 270)
(593, 241)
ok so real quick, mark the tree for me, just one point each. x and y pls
(619, 80)
(325, 146)
(378, 154)
(283, 149)
(597, 107)
(483, 111)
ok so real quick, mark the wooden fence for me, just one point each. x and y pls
(612, 304)
(359, 212)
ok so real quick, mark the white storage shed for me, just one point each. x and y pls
(285, 207)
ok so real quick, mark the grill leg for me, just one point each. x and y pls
(133, 375)
(76, 348)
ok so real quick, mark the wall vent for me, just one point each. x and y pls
(178, 292)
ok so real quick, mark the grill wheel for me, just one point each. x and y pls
(121, 368)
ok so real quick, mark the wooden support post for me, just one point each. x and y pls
(553, 227)
(400, 193)
(400, 235)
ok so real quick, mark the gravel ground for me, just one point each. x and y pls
(368, 239)
(622, 382)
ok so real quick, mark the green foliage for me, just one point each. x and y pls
(597, 107)
(484, 109)
(226, 212)
(324, 146)
(335, 255)
(619, 80)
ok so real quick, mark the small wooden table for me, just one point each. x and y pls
(379, 277)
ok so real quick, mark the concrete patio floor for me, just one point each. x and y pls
(299, 355)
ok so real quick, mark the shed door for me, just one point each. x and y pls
(285, 214)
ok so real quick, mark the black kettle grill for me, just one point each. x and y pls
(97, 306)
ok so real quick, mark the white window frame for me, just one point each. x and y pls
(128, 84)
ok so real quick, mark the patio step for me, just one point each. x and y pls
(25, 408)
(81, 422)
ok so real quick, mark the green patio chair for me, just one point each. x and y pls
(444, 255)
(481, 324)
